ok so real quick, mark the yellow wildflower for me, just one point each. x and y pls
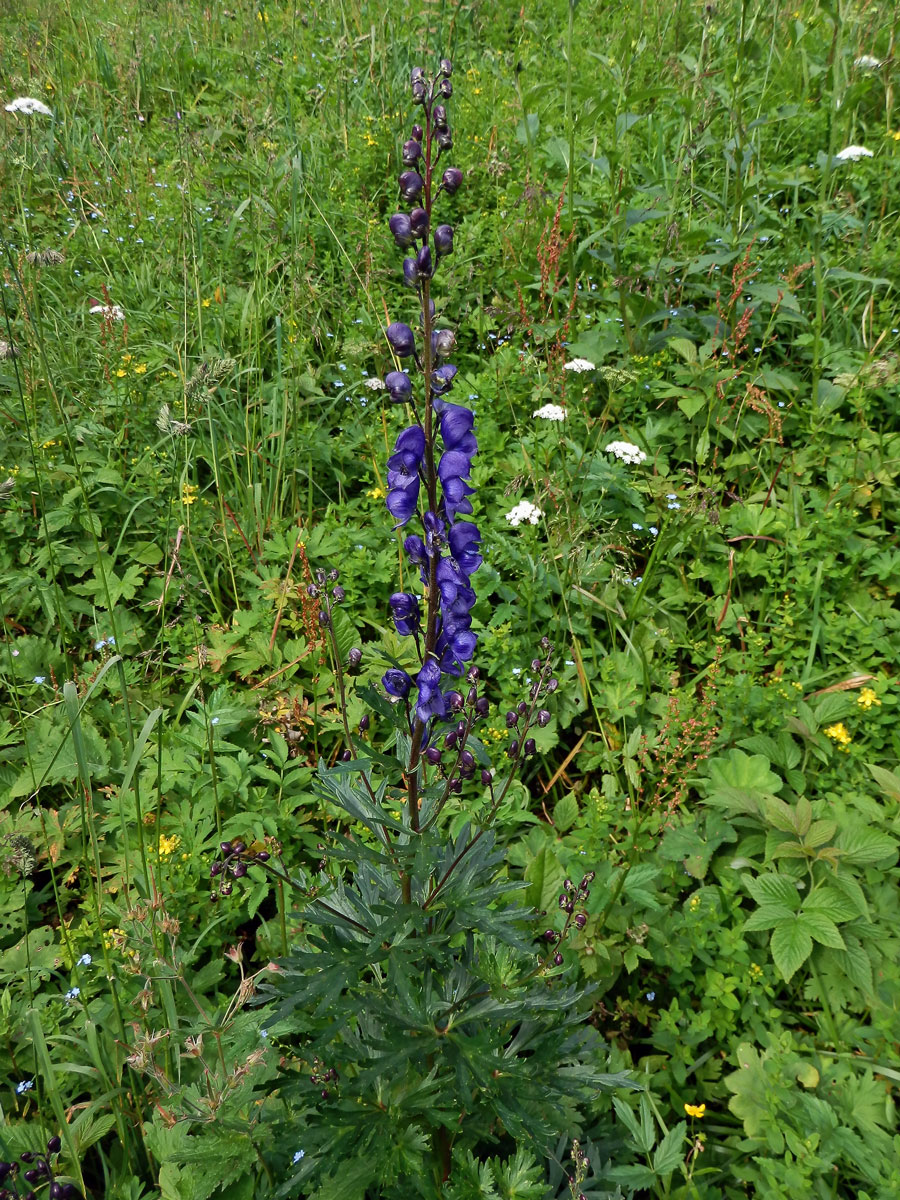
(140, 369)
(376, 493)
(867, 698)
(188, 494)
(206, 303)
(121, 373)
(695, 1110)
(168, 844)
(839, 734)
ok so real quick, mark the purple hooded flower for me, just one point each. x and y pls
(401, 227)
(396, 683)
(430, 702)
(405, 611)
(398, 385)
(403, 474)
(402, 340)
(452, 468)
(451, 180)
(464, 542)
(411, 184)
(442, 379)
(443, 240)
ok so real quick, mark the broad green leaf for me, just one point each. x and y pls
(565, 812)
(791, 946)
(830, 903)
(886, 780)
(863, 847)
(767, 917)
(773, 889)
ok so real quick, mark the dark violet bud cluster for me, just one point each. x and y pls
(236, 857)
(428, 473)
(34, 1170)
(571, 899)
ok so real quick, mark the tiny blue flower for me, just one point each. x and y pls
(25, 1086)
(264, 1033)
(673, 504)
(39, 679)
(651, 995)
(110, 641)
(634, 525)
(84, 961)
(72, 994)
(654, 530)
(298, 1154)
(99, 645)
(214, 721)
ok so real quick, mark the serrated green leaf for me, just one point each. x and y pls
(820, 833)
(886, 780)
(791, 946)
(865, 847)
(822, 928)
(830, 903)
(767, 917)
(773, 889)
(630, 1121)
(669, 1153)
(565, 812)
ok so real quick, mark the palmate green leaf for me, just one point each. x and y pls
(822, 929)
(863, 846)
(831, 903)
(791, 946)
(767, 916)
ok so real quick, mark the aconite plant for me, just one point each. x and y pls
(430, 1040)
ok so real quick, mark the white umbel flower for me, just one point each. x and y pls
(853, 154)
(867, 62)
(626, 452)
(524, 511)
(578, 365)
(550, 412)
(375, 384)
(111, 312)
(28, 105)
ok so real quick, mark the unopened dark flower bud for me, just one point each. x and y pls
(411, 184)
(451, 739)
(216, 868)
(54, 1145)
(513, 749)
(486, 777)
(263, 856)
(456, 786)
(33, 1176)
(70, 1192)
(552, 685)
(529, 748)
(461, 729)
(535, 664)
(550, 935)
(454, 701)
(226, 889)
(451, 180)
(588, 878)
(419, 220)
(563, 900)
(557, 959)
(419, 92)
(401, 338)
(443, 240)
(512, 719)
(446, 89)
(312, 591)
(28, 1156)
(320, 575)
(56, 1191)
(364, 722)
(417, 132)
(416, 73)
(473, 673)
(521, 708)
(433, 755)
(346, 756)
(467, 759)
(324, 619)
(398, 384)
(225, 847)
(354, 657)
(338, 594)
(401, 227)
(471, 695)
(443, 342)
(334, 575)
(482, 706)
(446, 66)
(412, 152)
(411, 275)
(580, 920)
(439, 117)
(239, 870)
(568, 885)
(445, 139)
(424, 262)
(543, 717)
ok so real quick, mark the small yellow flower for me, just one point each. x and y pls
(263, 16)
(140, 369)
(121, 373)
(168, 844)
(867, 698)
(126, 358)
(188, 494)
(839, 735)
(376, 493)
(695, 1110)
(694, 902)
(206, 303)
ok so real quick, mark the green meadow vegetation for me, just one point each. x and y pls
(663, 958)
